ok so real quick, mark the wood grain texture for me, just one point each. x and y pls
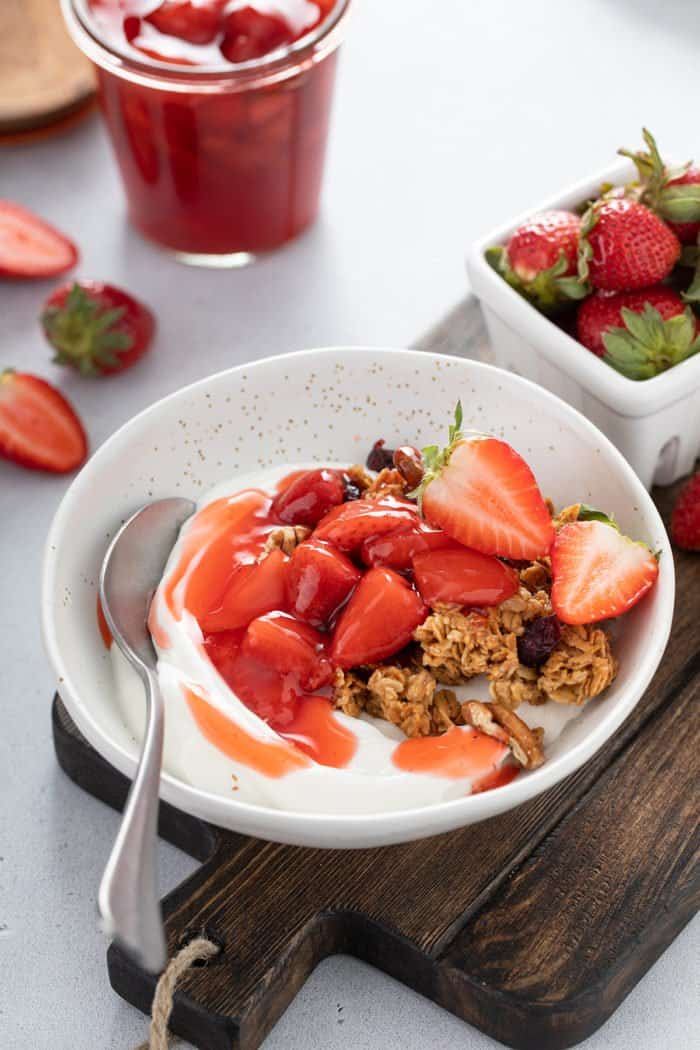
(43, 76)
(532, 926)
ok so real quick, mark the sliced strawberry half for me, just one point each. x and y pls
(319, 580)
(483, 494)
(38, 427)
(290, 647)
(598, 573)
(348, 526)
(378, 621)
(463, 577)
(29, 247)
(255, 589)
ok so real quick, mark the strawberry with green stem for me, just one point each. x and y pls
(539, 260)
(640, 334)
(97, 328)
(483, 494)
(625, 246)
(672, 192)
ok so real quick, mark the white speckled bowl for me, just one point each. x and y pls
(331, 405)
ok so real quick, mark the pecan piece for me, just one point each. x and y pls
(500, 722)
(286, 538)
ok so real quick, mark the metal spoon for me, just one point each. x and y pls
(128, 896)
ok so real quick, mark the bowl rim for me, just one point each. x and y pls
(630, 397)
(286, 825)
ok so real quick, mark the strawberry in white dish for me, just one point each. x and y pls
(540, 260)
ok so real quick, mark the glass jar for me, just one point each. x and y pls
(219, 163)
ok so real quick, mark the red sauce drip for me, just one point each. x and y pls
(105, 632)
(458, 753)
(303, 719)
(267, 757)
(318, 734)
(224, 535)
(498, 778)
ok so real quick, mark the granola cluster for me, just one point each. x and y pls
(410, 699)
(454, 646)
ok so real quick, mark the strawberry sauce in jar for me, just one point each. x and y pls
(218, 112)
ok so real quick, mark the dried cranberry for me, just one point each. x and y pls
(380, 457)
(540, 638)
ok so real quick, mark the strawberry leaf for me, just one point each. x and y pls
(456, 427)
(588, 513)
(549, 291)
(680, 203)
(648, 345)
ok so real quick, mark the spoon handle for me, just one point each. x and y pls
(128, 897)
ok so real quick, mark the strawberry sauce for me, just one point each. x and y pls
(222, 546)
(456, 754)
(276, 652)
(105, 633)
(234, 165)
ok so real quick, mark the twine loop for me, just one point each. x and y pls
(200, 949)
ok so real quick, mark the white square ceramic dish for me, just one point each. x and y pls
(323, 406)
(655, 423)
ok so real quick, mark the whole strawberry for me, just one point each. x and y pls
(97, 328)
(673, 193)
(625, 246)
(540, 259)
(639, 333)
(685, 520)
(686, 232)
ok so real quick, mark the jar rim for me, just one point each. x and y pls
(278, 65)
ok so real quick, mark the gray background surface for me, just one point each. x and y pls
(450, 116)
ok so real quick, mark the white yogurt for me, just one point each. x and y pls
(370, 783)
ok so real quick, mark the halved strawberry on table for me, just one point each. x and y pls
(38, 427)
(482, 493)
(597, 572)
(97, 328)
(639, 333)
(30, 247)
(378, 621)
(540, 260)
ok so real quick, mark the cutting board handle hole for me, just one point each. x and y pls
(209, 933)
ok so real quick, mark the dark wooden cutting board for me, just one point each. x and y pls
(532, 926)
